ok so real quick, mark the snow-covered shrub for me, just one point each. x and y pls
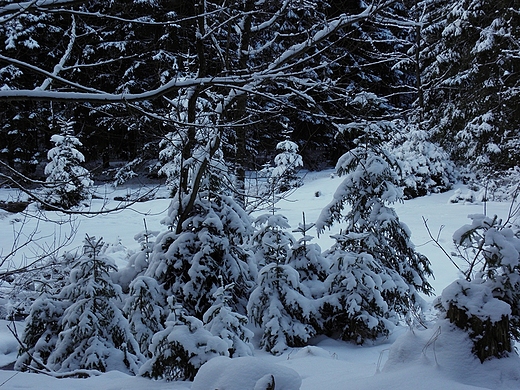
(94, 334)
(487, 302)
(473, 307)
(210, 244)
(137, 262)
(278, 304)
(425, 167)
(144, 309)
(281, 310)
(466, 197)
(181, 348)
(283, 176)
(308, 260)
(67, 183)
(496, 186)
(230, 326)
(48, 275)
(40, 335)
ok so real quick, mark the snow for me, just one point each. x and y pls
(476, 299)
(435, 358)
(244, 373)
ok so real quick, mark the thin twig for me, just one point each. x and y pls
(435, 240)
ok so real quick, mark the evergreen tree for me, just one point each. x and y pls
(287, 162)
(144, 309)
(211, 244)
(308, 260)
(94, 334)
(230, 326)
(181, 348)
(468, 61)
(280, 309)
(171, 160)
(209, 229)
(278, 304)
(40, 334)
(271, 242)
(376, 243)
(361, 302)
(424, 166)
(137, 262)
(68, 182)
(35, 38)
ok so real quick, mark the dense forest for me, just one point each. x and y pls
(135, 76)
(404, 98)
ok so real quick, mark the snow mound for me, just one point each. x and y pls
(311, 350)
(443, 353)
(244, 373)
(8, 345)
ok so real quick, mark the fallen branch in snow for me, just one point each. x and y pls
(8, 379)
(71, 374)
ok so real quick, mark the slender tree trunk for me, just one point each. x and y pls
(189, 144)
(418, 80)
(241, 106)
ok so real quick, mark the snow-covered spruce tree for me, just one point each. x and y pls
(94, 334)
(374, 247)
(144, 309)
(209, 233)
(210, 244)
(170, 158)
(183, 147)
(362, 299)
(40, 334)
(137, 262)
(425, 167)
(278, 304)
(230, 326)
(308, 260)
(283, 176)
(486, 304)
(272, 242)
(67, 183)
(470, 83)
(182, 347)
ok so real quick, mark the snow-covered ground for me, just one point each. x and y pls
(433, 358)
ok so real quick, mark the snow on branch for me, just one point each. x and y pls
(104, 97)
(26, 5)
(248, 82)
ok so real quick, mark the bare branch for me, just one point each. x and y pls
(274, 71)
(435, 240)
